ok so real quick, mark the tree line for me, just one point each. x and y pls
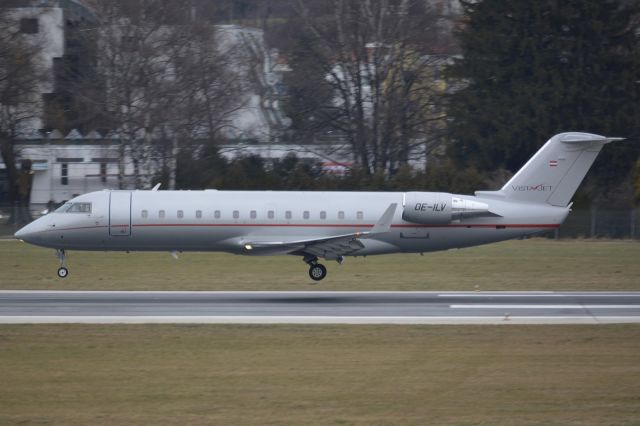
(533, 69)
(252, 172)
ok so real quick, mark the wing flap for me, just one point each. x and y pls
(329, 248)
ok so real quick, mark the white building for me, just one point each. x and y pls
(66, 166)
(260, 118)
(43, 27)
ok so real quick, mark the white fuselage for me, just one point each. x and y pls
(213, 220)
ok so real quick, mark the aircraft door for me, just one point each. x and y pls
(119, 213)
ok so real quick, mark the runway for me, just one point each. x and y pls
(319, 307)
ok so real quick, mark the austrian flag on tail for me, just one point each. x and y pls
(553, 163)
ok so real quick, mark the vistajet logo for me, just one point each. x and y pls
(530, 188)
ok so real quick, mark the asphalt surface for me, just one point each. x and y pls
(319, 307)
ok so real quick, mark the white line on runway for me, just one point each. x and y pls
(486, 306)
(540, 294)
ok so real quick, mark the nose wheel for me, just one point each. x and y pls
(63, 272)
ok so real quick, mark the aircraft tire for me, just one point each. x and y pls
(317, 272)
(63, 272)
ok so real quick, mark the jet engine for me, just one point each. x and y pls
(440, 208)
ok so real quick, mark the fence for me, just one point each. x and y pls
(601, 223)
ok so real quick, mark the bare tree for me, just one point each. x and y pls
(372, 54)
(21, 82)
(127, 86)
(207, 87)
(160, 80)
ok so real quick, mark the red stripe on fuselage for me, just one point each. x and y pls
(308, 225)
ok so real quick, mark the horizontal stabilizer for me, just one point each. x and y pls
(587, 138)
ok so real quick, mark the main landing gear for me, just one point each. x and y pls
(317, 271)
(62, 271)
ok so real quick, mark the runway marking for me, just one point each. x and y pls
(486, 306)
(487, 294)
(500, 295)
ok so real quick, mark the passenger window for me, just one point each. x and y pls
(198, 214)
(253, 214)
(180, 214)
(216, 214)
(145, 214)
(236, 214)
(360, 215)
(305, 214)
(287, 214)
(271, 214)
(341, 215)
(161, 214)
(323, 215)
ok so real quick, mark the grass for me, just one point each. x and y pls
(320, 375)
(325, 375)
(536, 264)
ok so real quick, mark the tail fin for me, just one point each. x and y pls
(554, 173)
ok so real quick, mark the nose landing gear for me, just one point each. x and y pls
(317, 271)
(63, 272)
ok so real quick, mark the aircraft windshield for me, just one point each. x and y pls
(74, 208)
(63, 208)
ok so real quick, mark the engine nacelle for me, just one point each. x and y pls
(427, 208)
(438, 208)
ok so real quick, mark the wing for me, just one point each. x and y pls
(330, 248)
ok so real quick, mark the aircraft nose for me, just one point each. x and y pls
(20, 233)
(29, 232)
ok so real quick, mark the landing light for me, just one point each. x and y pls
(248, 247)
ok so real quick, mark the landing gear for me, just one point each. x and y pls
(317, 271)
(63, 272)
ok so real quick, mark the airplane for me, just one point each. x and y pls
(328, 225)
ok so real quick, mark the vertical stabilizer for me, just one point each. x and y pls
(554, 173)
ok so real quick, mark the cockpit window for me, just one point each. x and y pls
(63, 208)
(74, 208)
